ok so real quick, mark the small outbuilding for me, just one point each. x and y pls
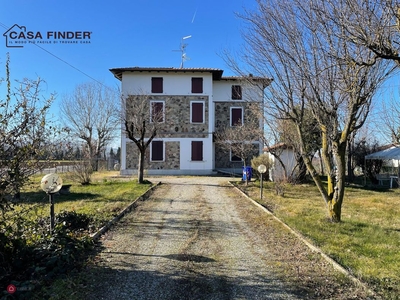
(391, 158)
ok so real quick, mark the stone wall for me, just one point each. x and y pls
(222, 158)
(177, 117)
(171, 162)
(222, 113)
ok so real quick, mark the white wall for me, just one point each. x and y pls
(173, 83)
(185, 158)
(223, 91)
(276, 171)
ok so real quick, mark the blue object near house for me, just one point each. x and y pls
(247, 173)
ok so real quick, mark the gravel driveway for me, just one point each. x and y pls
(198, 238)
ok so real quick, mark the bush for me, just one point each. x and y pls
(29, 253)
(83, 171)
(262, 159)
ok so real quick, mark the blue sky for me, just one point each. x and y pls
(123, 34)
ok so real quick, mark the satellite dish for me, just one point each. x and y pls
(51, 183)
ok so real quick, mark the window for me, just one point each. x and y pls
(236, 116)
(197, 151)
(157, 151)
(156, 84)
(235, 157)
(197, 112)
(197, 85)
(157, 111)
(236, 92)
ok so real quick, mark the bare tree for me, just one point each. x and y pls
(242, 140)
(314, 70)
(391, 120)
(374, 25)
(90, 113)
(23, 134)
(141, 121)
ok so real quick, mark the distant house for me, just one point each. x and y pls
(283, 154)
(196, 102)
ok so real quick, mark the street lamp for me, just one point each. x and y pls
(262, 169)
(51, 184)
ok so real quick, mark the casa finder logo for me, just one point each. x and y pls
(18, 36)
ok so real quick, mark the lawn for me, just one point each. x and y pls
(104, 198)
(32, 258)
(366, 242)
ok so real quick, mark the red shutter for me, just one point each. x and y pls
(197, 112)
(236, 92)
(197, 85)
(156, 84)
(236, 116)
(197, 151)
(157, 150)
(157, 112)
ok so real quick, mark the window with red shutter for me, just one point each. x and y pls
(236, 116)
(156, 84)
(197, 151)
(197, 85)
(197, 112)
(157, 151)
(236, 92)
(157, 111)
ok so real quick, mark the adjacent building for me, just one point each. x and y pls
(196, 102)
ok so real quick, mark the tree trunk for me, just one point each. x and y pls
(350, 155)
(302, 173)
(321, 163)
(335, 204)
(335, 210)
(333, 193)
(141, 165)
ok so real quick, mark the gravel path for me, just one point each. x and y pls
(197, 238)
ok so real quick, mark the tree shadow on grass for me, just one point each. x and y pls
(42, 197)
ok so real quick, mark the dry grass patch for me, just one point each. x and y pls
(366, 242)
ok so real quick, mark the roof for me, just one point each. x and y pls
(390, 153)
(278, 146)
(216, 73)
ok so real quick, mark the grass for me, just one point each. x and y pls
(366, 242)
(104, 198)
(70, 246)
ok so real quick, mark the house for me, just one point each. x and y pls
(283, 161)
(196, 102)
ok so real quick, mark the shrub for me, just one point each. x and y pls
(262, 159)
(28, 252)
(83, 171)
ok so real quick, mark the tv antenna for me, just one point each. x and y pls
(182, 50)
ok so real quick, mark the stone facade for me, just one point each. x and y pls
(222, 113)
(223, 158)
(177, 125)
(177, 117)
(171, 162)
